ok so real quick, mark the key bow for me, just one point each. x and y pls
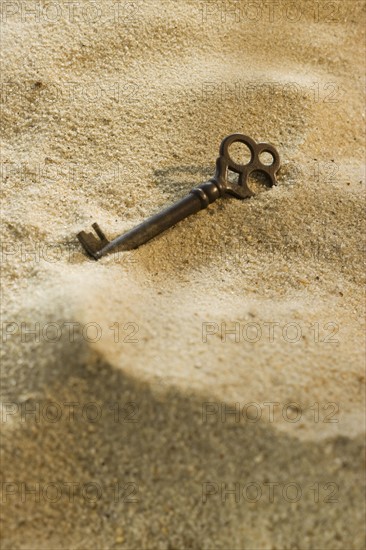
(225, 163)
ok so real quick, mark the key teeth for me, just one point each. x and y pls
(99, 232)
(91, 243)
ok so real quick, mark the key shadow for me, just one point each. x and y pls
(197, 241)
(182, 178)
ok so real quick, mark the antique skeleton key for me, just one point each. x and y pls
(198, 198)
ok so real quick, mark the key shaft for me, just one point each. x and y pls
(198, 199)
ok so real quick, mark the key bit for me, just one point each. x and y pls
(198, 198)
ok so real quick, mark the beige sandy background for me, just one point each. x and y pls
(109, 114)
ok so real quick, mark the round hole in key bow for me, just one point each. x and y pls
(266, 158)
(240, 153)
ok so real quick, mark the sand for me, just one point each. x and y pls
(109, 114)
